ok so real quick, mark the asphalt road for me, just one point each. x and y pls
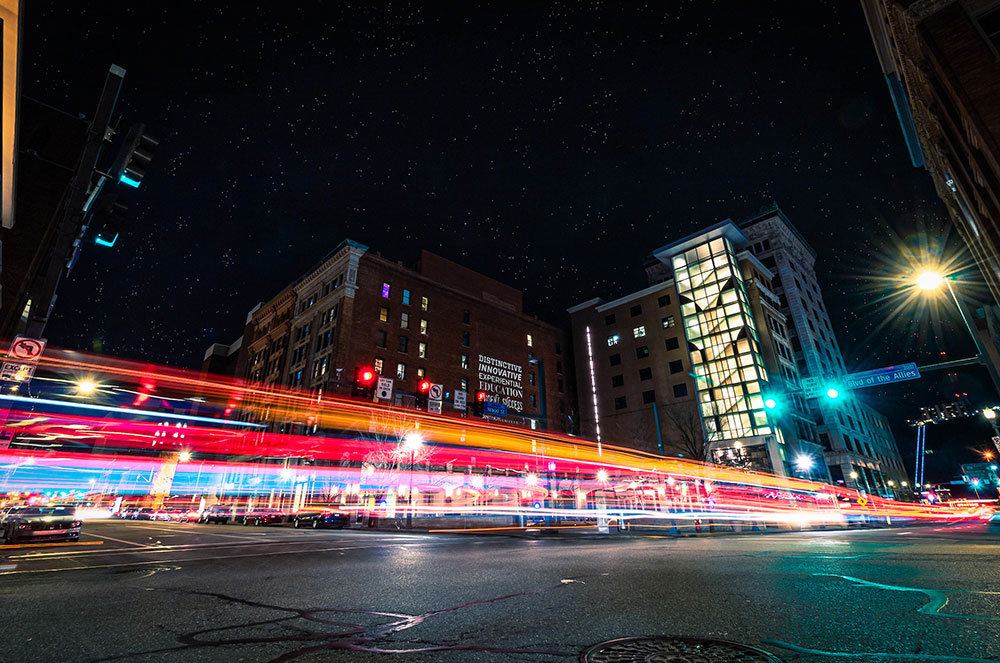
(172, 592)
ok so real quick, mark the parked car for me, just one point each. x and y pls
(322, 519)
(145, 513)
(264, 517)
(126, 513)
(220, 513)
(182, 515)
(41, 523)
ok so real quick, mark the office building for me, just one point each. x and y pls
(708, 362)
(436, 321)
(698, 364)
(860, 449)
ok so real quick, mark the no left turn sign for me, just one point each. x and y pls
(26, 349)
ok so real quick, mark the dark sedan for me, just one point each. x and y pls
(264, 517)
(41, 524)
(322, 519)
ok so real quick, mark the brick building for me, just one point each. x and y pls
(437, 321)
(941, 61)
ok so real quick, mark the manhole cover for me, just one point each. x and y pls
(667, 649)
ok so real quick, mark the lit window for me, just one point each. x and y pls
(668, 322)
(423, 327)
(422, 350)
(421, 372)
(464, 384)
(386, 288)
(383, 314)
(404, 320)
(378, 366)
(400, 371)
(465, 364)
(406, 296)
(531, 343)
(423, 303)
(639, 331)
(613, 339)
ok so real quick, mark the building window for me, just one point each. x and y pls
(406, 296)
(635, 310)
(620, 403)
(648, 397)
(558, 349)
(380, 338)
(680, 390)
(616, 359)
(424, 303)
(664, 300)
(378, 365)
(617, 380)
(559, 385)
(531, 342)
(676, 366)
(422, 350)
(613, 339)
(401, 372)
(531, 378)
(638, 332)
(465, 316)
(465, 339)
(465, 363)
(534, 400)
(672, 343)
(404, 343)
(463, 384)
(668, 322)
(645, 373)
(404, 320)
(609, 319)
(383, 313)
(641, 352)
(421, 371)
(386, 289)
(559, 366)
(423, 327)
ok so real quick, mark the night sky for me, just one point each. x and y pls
(551, 148)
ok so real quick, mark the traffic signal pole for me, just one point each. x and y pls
(42, 291)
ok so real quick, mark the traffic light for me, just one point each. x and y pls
(134, 156)
(108, 223)
(477, 405)
(423, 389)
(770, 403)
(364, 383)
(832, 392)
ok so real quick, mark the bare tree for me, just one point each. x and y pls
(684, 428)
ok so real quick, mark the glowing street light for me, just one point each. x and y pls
(929, 280)
(804, 463)
(990, 413)
(602, 475)
(184, 456)
(86, 387)
(832, 393)
(770, 403)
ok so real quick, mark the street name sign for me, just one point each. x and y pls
(880, 376)
(494, 409)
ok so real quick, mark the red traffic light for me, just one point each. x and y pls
(480, 395)
(366, 375)
(425, 385)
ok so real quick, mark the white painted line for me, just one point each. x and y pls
(131, 543)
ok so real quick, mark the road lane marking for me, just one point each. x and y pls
(881, 655)
(54, 544)
(131, 543)
(197, 559)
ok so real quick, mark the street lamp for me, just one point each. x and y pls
(411, 442)
(931, 280)
(804, 463)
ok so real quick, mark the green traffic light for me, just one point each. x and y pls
(832, 393)
(770, 403)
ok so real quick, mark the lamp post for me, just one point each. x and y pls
(412, 442)
(932, 280)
